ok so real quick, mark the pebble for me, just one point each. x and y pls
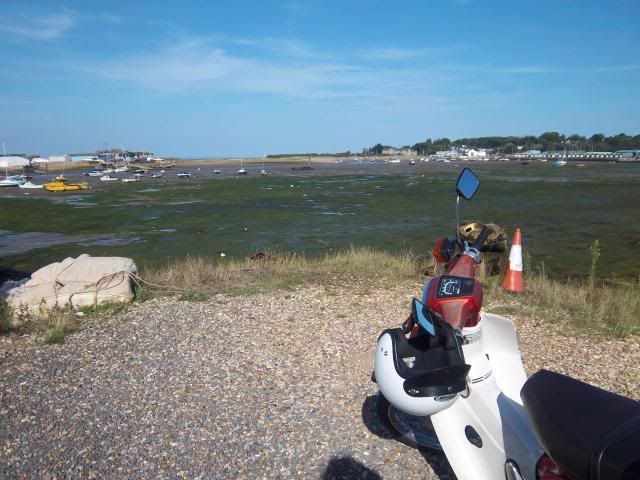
(272, 385)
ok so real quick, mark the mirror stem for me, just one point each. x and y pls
(458, 219)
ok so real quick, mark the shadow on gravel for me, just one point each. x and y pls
(346, 468)
(436, 459)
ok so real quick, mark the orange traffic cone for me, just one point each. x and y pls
(512, 280)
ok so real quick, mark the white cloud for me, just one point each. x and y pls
(240, 65)
(194, 65)
(392, 54)
(46, 28)
(527, 69)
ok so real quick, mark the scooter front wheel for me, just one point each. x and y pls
(415, 432)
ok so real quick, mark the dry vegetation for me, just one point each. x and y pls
(597, 306)
(52, 325)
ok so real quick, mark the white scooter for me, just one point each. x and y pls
(451, 378)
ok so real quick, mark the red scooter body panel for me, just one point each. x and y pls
(461, 310)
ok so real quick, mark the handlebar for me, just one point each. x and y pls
(484, 233)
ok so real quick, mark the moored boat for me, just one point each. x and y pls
(28, 184)
(65, 187)
(9, 182)
(108, 178)
(131, 180)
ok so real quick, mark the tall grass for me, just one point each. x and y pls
(589, 304)
(277, 270)
(593, 305)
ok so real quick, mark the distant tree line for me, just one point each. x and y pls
(548, 141)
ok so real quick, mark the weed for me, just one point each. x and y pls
(595, 255)
(193, 297)
(5, 317)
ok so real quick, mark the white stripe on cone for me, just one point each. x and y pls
(515, 258)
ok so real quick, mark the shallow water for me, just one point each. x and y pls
(561, 211)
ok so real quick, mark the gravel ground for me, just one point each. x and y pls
(171, 389)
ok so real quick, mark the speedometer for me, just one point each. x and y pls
(453, 287)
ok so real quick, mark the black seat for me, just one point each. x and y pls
(590, 433)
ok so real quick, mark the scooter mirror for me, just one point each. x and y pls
(467, 184)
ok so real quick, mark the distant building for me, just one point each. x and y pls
(628, 153)
(473, 153)
(38, 160)
(83, 158)
(13, 161)
(407, 152)
(389, 151)
(59, 158)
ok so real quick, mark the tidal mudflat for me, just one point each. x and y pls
(561, 211)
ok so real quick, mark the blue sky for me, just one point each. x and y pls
(205, 78)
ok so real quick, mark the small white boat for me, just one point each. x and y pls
(131, 180)
(394, 160)
(242, 170)
(157, 175)
(96, 173)
(138, 175)
(29, 185)
(108, 178)
(109, 170)
(9, 182)
(184, 175)
(217, 172)
(412, 162)
(121, 169)
(265, 172)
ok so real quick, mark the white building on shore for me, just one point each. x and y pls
(59, 158)
(13, 161)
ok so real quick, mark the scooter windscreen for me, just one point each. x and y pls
(423, 316)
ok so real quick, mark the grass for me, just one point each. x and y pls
(55, 324)
(5, 318)
(275, 271)
(193, 297)
(592, 305)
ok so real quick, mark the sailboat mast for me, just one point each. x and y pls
(6, 164)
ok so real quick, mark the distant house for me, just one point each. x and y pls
(13, 161)
(389, 151)
(408, 152)
(473, 153)
(38, 160)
